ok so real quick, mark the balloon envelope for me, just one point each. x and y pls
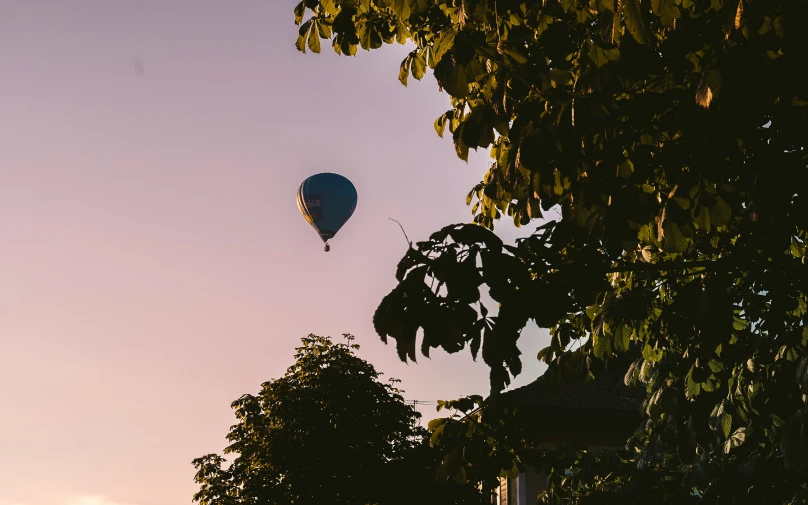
(327, 201)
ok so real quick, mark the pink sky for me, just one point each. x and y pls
(153, 263)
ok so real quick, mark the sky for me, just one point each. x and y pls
(153, 263)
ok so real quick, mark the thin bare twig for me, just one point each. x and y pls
(402, 231)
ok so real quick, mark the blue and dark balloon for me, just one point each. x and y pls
(327, 201)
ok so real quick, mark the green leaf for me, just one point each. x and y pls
(462, 151)
(460, 476)
(324, 29)
(622, 337)
(402, 8)
(616, 24)
(453, 78)
(561, 77)
(715, 365)
(650, 354)
(743, 412)
(419, 65)
(601, 56)
(369, 36)
(602, 346)
(442, 44)
(726, 424)
(300, 11)
(673, 241)
(419, 6)
(702, 220)
(692, 388)
(300, 44)
(736, 440)
(545, 355)
(650, 254)
(797, 248)
(632, 11)
(402, 32)
(404, 74)
(440, 125)
(303, 34)
(534, 208)
(720, 213)
(631, 376)
(682, 202)
(793, 445)
(328, 6)
(625, 169)
(516, 54)
(435, 423)
(646, 369)
(558, 187)
(667, 11)
(437, 432)
(802, 375)
(314, 38)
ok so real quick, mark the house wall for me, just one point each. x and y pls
(535, 483)
(525, 489)
(593, 428)
(512, 491)
(519, 490)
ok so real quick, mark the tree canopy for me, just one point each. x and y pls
(328, 431)
(672, 136)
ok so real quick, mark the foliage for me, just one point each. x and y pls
(672, 135)
(326, 432)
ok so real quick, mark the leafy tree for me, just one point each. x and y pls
(328, 431)
(672, 135)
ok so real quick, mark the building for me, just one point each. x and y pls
(600, 414)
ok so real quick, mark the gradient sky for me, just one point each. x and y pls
(153, 263)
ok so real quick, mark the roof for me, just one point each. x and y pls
(603, 395)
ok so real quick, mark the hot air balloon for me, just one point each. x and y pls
(327, 201)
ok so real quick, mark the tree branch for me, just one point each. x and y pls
(402, 231)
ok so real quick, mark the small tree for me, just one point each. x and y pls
(327, 432)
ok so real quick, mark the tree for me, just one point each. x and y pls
(672, 136)
(328, 431)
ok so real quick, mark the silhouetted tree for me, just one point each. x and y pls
(327, 432)
(672, 136)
